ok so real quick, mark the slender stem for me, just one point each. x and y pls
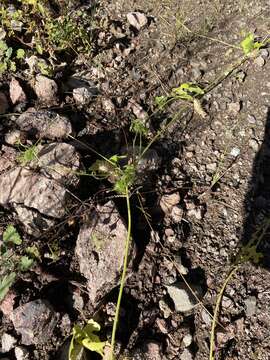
(123, 276)
(215, 316)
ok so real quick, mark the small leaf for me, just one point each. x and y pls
(20, 54)
(11, 235)
(187, 91)
(25, 263)
(248, 44)
(160, 101)
(5, 284)
(12, 66)
(3, 46)
(3, 67)
(39, 49)
(33, 252)
(85, 337)
(9, 52)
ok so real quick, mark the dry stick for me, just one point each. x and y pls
(215, 317)
(123, 276)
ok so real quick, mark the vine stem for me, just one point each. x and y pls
(123, 276)
(215, 316)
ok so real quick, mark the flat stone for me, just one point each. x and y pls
(8, 341)
(259, 61)
(100, 250)
(251, 305)
(168, 201)
(16, 93)
(149, 351)
(23, 186)
(235, 152)
(21, 353)
(44, 124)
(182, 297)
(46, 89)
(83, 95)
(35, 321)
(137, 19)
(186, 355)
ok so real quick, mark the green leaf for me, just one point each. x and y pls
(11, 235)
(248, 44)
(25, 263)
(3, 46)
(85, 337)
(9, 52)
(39, 49)
(3, 67)
(20, 54)
(33, 252)
(12, 66)
(187, 91)
(5, 284)
(161, 101)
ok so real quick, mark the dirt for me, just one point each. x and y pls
(205, 197)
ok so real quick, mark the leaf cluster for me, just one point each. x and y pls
(10, 262)
(85, 337)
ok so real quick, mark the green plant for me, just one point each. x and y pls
(249, 44)
(30, 153)
(10, 262)
(86, 338)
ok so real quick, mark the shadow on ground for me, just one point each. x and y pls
(256, 230)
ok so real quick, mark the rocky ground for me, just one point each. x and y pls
(202, 192)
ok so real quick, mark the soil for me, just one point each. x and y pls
(217, 166)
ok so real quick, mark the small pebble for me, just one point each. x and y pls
(259, 61)
(235, 152)
(251, 119)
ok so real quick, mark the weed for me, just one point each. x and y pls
(11, 264)
(30, 153)
(86, 337)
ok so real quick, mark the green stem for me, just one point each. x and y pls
(123, 276)
(215, 316)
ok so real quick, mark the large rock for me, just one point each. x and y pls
(35, 321)
(100, 249)
(44, 124)
(39, 191)
(46, 90)
(23, 186)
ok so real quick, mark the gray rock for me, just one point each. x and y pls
(58, 161)
(168, 201)
(21, 353)
(235, 152)
(7, 341)
(186, 355)
(13, 137)
(264, 53)
(3, 103)
(149, 351)
(100, 250)
(251, 119)
(234, 107)
(251, 305)
(137, 19)
(46, 89)
(83, 95)
(35, 321)
(187, 340)
(253, 144)
(182, 296)
(16, 93)
(259, 61)
(40, 189)
(23, 186)
(44, 124)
